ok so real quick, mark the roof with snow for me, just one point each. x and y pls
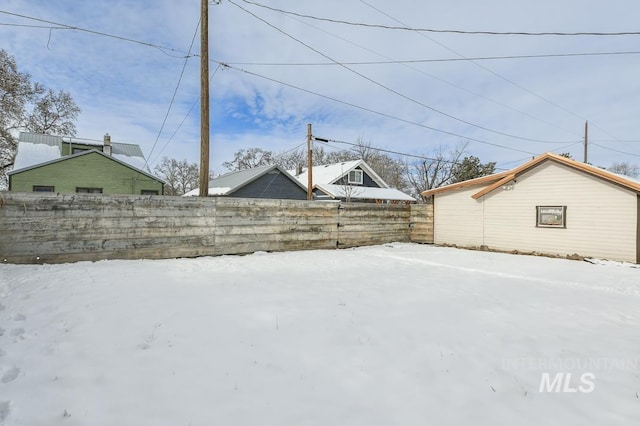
(362, 193)
(232, 181)
(35, 149)
(79, 154)
(326, 176)
(331, 173)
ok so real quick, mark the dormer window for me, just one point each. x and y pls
(355, 176)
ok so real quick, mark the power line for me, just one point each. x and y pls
(520, 160)
(404, 154)
(382, 114)
(185, 118)
(425, 61)
(175, 92)
(499, 75)
(58, 25)
(432, 30)
(615, 150)
(473, 62)
(420, 71)
(384, 86)
(426, 73)
(400, 61)
(4, 24)
(289, 150)
(615, 140)
(449, 83)
(493, 72)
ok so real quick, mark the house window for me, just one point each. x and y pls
(149, 192)
(89, 190)
(551, 216)
(43, 188)
(355, 176)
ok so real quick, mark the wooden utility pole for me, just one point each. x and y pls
(586, 139)
(309, 163)
(204, 98)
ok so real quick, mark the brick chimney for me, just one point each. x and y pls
(298, 169)
(107, 144)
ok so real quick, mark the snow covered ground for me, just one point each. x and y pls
(399, 334)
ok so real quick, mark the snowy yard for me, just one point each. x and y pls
(399, 334)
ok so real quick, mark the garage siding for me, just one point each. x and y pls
(458, 218)
(601, 220)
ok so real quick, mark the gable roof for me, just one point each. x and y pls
(36, 148)
(363, 193)
(497, 180)
(331, 173)
(232, 181)
(80, 154)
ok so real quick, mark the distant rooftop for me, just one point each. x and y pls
(36, 148)
(331, 173)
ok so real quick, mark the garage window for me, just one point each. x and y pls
(551, 216)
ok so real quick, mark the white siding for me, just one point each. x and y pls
(601, 217)
(458, 217)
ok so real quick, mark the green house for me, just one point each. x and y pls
(46, 163)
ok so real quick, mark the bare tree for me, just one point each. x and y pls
(54, 113)
(350, 191)
(180, 176)
(26, 105)
(291, 160)
(392, 171)
(340, 156)
(627, 169)
(249, 159)
(438, 171)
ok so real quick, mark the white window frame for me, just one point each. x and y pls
(358, 177)
(559, 214)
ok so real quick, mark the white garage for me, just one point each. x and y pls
(549, 205)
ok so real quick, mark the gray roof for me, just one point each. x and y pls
(32, 150)
(51, 140)
(232, 181)
(80, 154)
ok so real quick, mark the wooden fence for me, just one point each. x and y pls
(54, 228)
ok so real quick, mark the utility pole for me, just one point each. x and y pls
(586, 139)
(204, 98)
(309, 163)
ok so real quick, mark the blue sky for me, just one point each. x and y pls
(503, 108)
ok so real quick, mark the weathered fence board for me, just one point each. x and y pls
(52, 228)
(369, 224)
(421, 223)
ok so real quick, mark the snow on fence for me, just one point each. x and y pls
(55, 228)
